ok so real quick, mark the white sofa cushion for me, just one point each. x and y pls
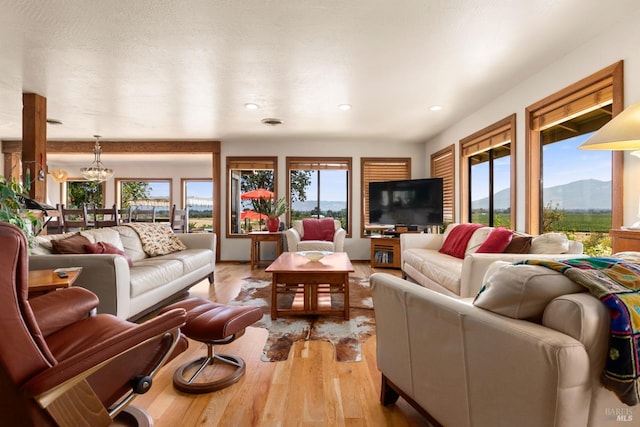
(107, 235)
(522, 291)
(131, 243)
(443, 269)
(550, 243)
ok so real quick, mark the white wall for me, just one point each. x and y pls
(616, 43)
(356, 247)
(237, 249)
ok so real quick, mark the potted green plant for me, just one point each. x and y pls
(12, 209)
(273, 209)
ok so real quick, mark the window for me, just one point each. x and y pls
(443, 166)
(155, 193)
(197, 198)
(81, 191)
(245, 174)
(488, 175)
(379, 169)
(320, 187)
(582, 196)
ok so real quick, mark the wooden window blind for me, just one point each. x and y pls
(310, 164)
(251, 163)
(589, 98)
(380, 169)
(443, 166)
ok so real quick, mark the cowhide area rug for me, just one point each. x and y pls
(347, 336)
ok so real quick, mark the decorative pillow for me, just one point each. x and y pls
(520, 244)
(70, 245)
(523, 291)
(106, 248)
(157, 238)
(318, 229)
(456, 241)
(496, 242)
(550, 243)
(106, 234)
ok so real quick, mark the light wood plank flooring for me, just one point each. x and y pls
(308, 389)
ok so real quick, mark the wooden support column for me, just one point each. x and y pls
(34, 144)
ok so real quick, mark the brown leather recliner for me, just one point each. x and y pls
(60, 365)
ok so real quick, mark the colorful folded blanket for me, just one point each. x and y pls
(616, 282)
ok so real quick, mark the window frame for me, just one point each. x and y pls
(573, 99)
(118, 189)
(390, 174)
(292, 163)
(483, 140)
(247, 163)
(64, 190)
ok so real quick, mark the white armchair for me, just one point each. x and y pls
(297, 242)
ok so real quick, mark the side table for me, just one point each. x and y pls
(43, 281)
(258, 237)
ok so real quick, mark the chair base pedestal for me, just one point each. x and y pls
(132, 416)
(191, 386)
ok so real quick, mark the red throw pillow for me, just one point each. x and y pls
(318, 229)
(496, 242)
(107, 248)
(70, 245)
(458, 238)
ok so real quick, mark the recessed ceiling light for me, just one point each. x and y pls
(271, 121)
(54, 122)
(344, 107)
(435, 108)
(251, 106)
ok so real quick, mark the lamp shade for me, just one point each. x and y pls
(59, 175)
(621, 133)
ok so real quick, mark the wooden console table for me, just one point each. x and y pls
(624, 240)
(258, 237)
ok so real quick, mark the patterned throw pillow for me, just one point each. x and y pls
(157, 239)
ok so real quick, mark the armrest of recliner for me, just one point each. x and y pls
(338, 239)
(81, 365)
(55, 310)
(293, 238)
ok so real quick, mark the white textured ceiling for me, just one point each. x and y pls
(158, 69)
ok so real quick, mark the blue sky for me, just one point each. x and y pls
(563, 163)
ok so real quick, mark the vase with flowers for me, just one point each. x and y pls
(273, 209)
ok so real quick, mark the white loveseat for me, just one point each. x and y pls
(466, 366)
(130, 292)
(462, 277)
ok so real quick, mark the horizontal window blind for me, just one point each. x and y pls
(311, 164)
(381, 169)
(492, 139)
(251, 163)
(592, 97)
(442, 166)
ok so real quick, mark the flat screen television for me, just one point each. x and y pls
(412, 202)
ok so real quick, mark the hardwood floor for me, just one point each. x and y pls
(308, 389)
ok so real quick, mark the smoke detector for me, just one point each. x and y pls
(271, 121)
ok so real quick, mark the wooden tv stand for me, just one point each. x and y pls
(385, 251)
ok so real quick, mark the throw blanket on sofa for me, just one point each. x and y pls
(616, 282)
(456, 242)
(157, 238)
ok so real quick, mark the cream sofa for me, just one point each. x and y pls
(131, 292)
(462, 365)
(422, 263)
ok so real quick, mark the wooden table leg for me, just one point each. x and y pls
(274, 297)
(346, 296)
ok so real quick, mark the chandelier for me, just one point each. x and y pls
(96, 171)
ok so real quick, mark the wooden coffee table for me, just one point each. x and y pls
(311, 283)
